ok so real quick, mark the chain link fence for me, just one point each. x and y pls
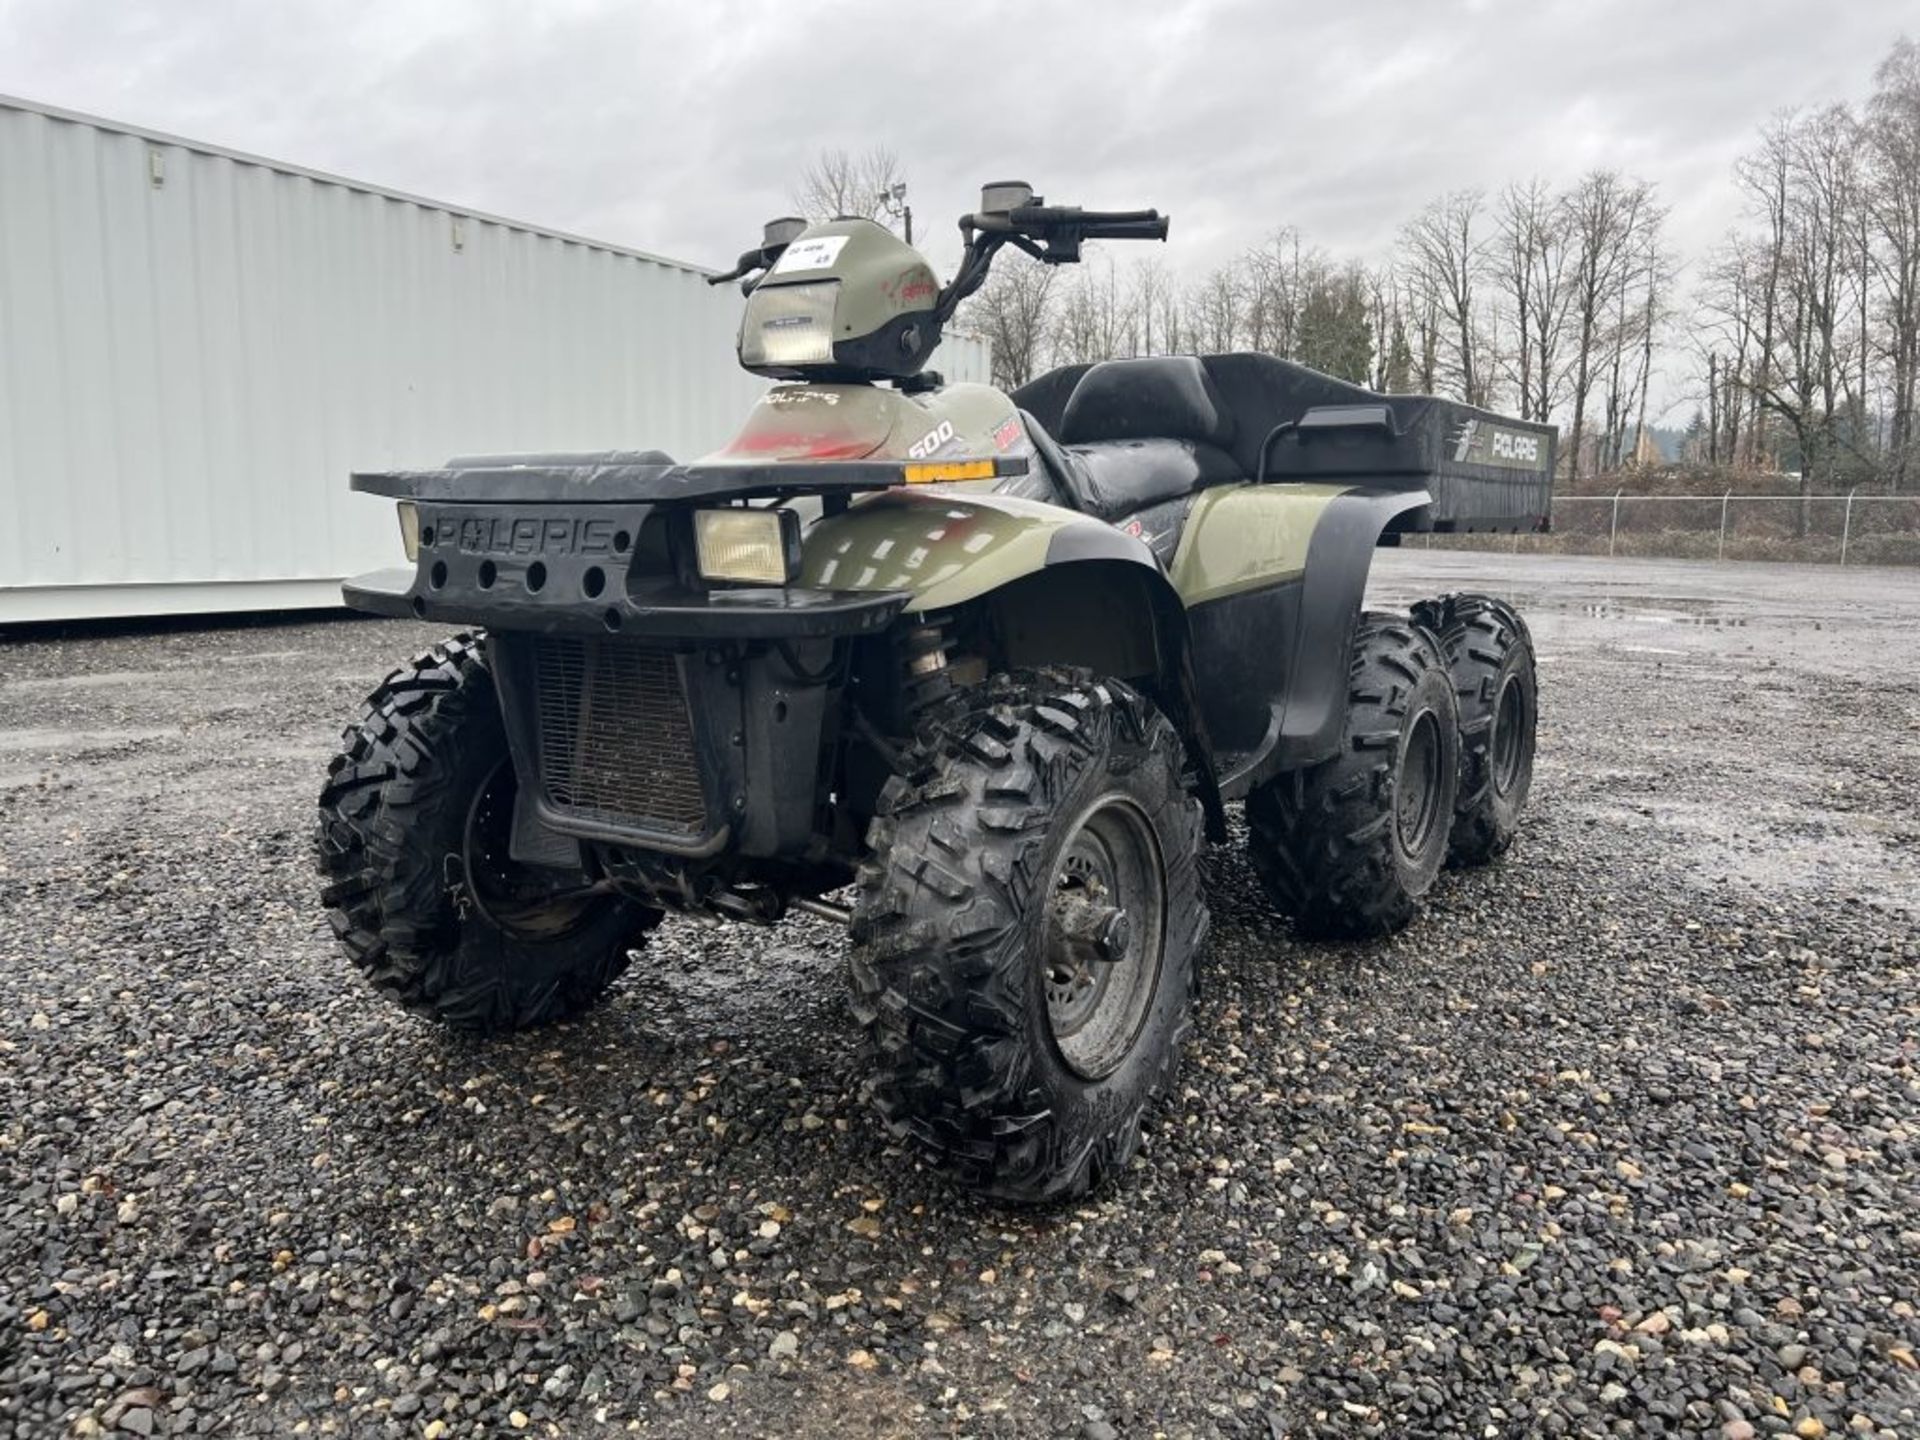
(1851, 529)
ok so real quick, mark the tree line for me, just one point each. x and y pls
(1800, 333)
(1544, 301)
(1807, 321)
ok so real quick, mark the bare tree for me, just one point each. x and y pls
(1445, 257)
(1602, 215)
(1529, 270)
(1803, 188)
(1729, 329)
(1214, 311)
(1155, 306)
(1270, 284)
(1093, 318)
(1392, 367)
(1890, 203)
(1657, 275)
(1628, 337)
(1014, 311)
(841, 183)
(1811, 315)
(1423, 319)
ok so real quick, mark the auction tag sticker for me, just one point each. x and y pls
(815, 254)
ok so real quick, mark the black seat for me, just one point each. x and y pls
(1138, 432)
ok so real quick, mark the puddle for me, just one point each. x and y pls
(1778, 846)
(1606, 610)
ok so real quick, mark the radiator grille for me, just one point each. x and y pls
(616, 745)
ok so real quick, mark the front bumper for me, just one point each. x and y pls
(587, 568)
(642, 711)
(642, 612)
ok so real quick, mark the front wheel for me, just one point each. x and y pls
(1026, 929)
(415, 828)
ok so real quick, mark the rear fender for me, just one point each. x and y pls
(1333, 587)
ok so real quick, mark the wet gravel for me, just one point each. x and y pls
(1621, 1138)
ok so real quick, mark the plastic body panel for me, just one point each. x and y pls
(797, 423)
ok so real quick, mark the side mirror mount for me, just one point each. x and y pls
(781, 232)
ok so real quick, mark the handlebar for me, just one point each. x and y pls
(1042, 222)
(1051, 234)
(1074, 215)
(1151, 228)
(749, 261)
(1092, 224)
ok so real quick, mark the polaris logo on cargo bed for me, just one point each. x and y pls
(527, 535)
(1479, 443)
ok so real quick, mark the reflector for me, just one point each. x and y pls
(410, 529)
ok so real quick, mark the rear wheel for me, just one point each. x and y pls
(1490, 656)
(1348, 847)
(1026, 930)
(416, 819)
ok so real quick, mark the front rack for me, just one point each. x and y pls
(621, 477)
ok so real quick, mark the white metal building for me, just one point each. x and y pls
(197, 346)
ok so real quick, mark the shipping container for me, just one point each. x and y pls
(197, 346)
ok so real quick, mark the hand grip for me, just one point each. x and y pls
(1090, 224)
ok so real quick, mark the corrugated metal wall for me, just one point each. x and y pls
(197, 347)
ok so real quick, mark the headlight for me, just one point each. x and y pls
(751, 547)
(789, 325)
(410, 529)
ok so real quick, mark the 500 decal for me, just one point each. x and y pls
(931, 441)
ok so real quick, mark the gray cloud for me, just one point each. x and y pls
(677, 127)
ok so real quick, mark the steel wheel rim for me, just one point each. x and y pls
(499, 887)
(1417, 785)
(1096, 1008)
(1509, 735)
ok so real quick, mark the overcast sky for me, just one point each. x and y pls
(677, 127)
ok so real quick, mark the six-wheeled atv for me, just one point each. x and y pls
(996, 664)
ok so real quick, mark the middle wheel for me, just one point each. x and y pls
(1347, 847)
(1026, 929)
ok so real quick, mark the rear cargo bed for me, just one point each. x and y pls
(1482, 470)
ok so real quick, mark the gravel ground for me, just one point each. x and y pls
(1620, 1138)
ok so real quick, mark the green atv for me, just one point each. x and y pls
(974, 674)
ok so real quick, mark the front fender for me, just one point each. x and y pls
(946, 547)
(1047, 569)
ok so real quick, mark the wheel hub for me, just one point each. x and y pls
(1419, 784)
(1102, 937)
(1509, 736)
(512, 897)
